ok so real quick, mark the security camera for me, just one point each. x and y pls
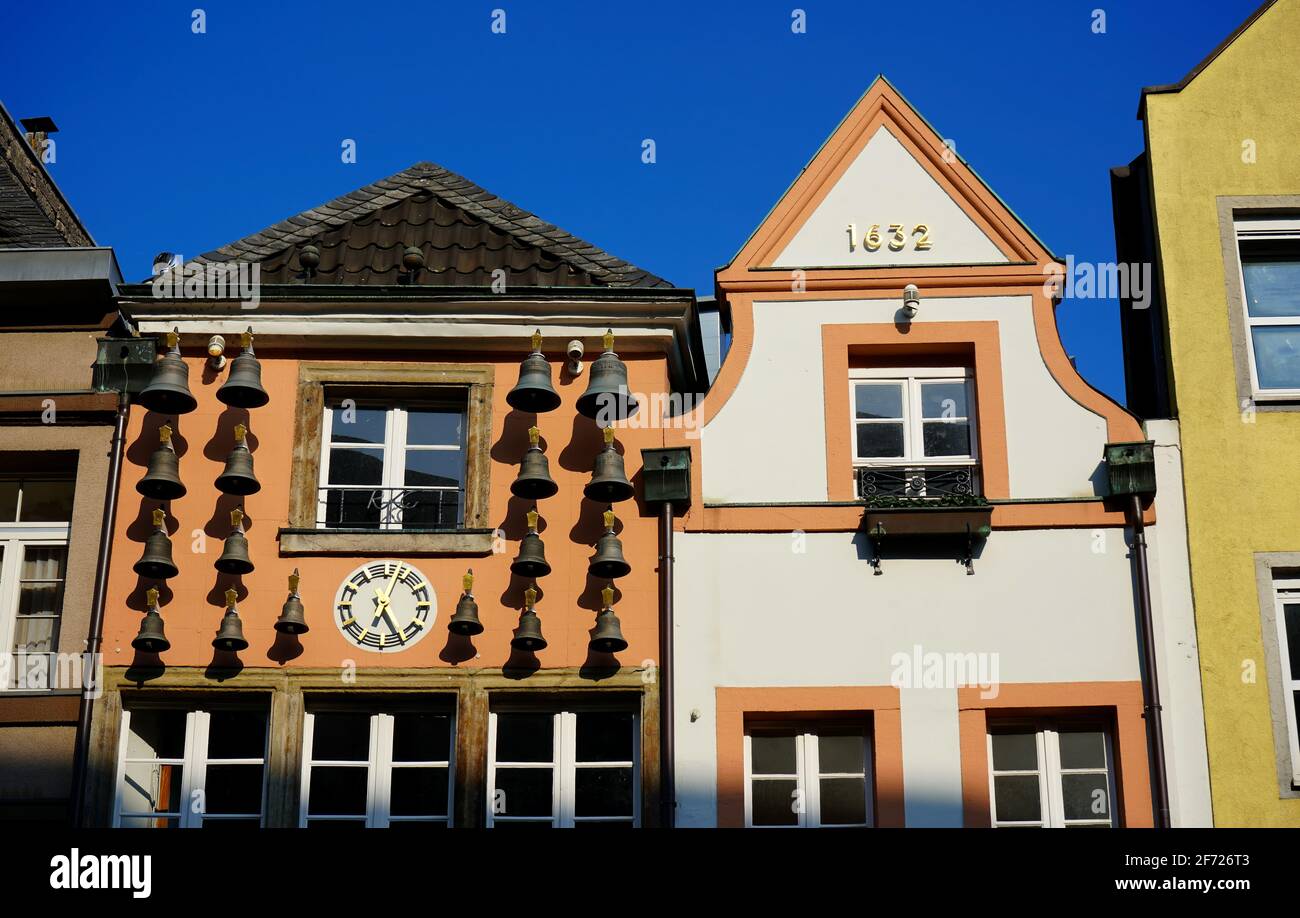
(911, 301)
(574, 351)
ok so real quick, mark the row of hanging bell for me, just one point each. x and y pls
(607, 637)
(230, 636)
(607, 395)
(168, 391)
(234, 550)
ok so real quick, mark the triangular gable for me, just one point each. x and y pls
(885, 165)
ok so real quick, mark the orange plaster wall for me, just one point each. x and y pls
(881, 703)
(192, 602)
(1121, 701)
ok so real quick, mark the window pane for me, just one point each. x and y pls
(421, 737)
(340, 737)
(35, 634)
(236, 735)
(434, 468)
(522, 792)
(45, 563)
(149, 822)
(429, 509)
(47, 501)
(1272, 286)
(360, 509)
(1291, 615)
(772, 755)
(1015, 752)
(524, 737)
(336, 824)
(946, 438)
(880, 441)
(878, 400)
(419, 792)
(156, 733)
(1277, 356)
(356, 466)
(358, 425)
(605, 736)
(234, 789)
(220, 824)
(844, 801)
(417, 824)
(151, 788)
(338, 791)
(603, 792)
(773, 802)
(1085, 796)
(944, 400)
(1017, 797)
(1082, 750)
(841, 754)
(8, 500)
(434, 427)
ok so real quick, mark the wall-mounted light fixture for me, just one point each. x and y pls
(911, 301)
(216, 352)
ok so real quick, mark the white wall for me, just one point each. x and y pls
(1054, 445)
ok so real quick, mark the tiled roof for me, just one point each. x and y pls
(464, 232)
(32, 211)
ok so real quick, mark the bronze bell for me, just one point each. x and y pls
(151, 638)
(234, 551)
(168, 391)
(243, 387)
(609, 483)
(293, 618)
(609, 636)
(534, 480)
(531, 562)
(157, 564)
(238, 476)
(465, 621)
(609, 562)
(230, 636)
(607, 397)
(534, 392)
(162, 481)
(528, 636)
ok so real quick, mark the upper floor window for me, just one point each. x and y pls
(575, 768)
(914, 432)
(1270, 277)
(35, 515)
(807, 778)
(1286, 594)
(388, 465)
(1045, 778)
(191, 769)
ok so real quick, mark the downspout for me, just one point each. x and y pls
(668, 790)
(1151, 684)
(95, 635)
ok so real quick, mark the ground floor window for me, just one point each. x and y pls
(364, 769)
(570, 768)
(1052, 778)
(1286, 594)
(181, 768)
(807, 777)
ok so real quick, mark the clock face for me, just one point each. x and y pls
(385, 606)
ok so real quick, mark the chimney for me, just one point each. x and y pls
(38, 131)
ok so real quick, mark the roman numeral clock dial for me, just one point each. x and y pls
(385, 606)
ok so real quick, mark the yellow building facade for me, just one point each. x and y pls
(1214, 204)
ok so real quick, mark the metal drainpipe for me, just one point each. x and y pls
(1155, 731)
(95, 635)
(668, 789)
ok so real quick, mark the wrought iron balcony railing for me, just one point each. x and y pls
(918, 485)
(390, 508)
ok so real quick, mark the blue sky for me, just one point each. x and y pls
(182, 142)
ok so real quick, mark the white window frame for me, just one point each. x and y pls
(911, 379)
(1287, 592)
(1263, 229)
(379, 771)
(15, 539)
(194, 769)
(1051, 803)
(807, 777)
(564, 766)
(395, 449)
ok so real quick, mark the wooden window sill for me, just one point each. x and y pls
(392, 542)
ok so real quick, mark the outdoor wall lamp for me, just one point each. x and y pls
(911, 301)
(216, 352)
(574, 352)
